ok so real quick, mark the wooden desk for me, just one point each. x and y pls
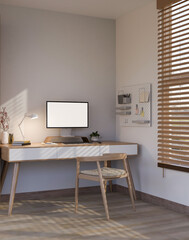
(45, 152)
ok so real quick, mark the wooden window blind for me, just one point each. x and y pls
(173, 86)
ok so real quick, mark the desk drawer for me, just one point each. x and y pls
(66, 152)
(104, 149)
(131, 149)
(32, 154)
(87, 151)
(73, 152)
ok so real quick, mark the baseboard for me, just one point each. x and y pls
(51, 193)
(156, 200)
(96, 189)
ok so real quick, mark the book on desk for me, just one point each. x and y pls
(21, 143)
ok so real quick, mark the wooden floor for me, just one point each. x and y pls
(55, 219)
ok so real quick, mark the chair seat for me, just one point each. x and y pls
(106, 172)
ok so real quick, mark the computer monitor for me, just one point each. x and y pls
(67, 114)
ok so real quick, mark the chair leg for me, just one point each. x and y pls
(77, 186)
(103, 191)
(105, 186)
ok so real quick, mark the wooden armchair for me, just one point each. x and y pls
(103, 175)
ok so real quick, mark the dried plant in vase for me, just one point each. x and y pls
(4, 125)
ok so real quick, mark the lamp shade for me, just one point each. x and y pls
(32, 115)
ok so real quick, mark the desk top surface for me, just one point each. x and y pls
(44, 145)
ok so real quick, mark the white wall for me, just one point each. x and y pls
(54, 56)
(136, 63)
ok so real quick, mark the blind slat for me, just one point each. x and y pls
(161, 32)
(171, 34)
(173, 113)
(174, 132)
(181, 143)
(172, 151)
(163, 41)
(171, 83)
(172, 118)
(174, 93)
(166, 88)
(173, 123)
(160, 28)
(173, 156)
(163, 58)
(173, 161)
(174, 75)
(173, 137)
(174, 103)
(173, 15)
(172, 70)
(173, 147)
(175, 99)
(173, 127)
(173, 65)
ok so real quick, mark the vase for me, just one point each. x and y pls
(4, 137)
(94, 139)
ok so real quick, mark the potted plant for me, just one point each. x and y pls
(95, 136)
(4, 125)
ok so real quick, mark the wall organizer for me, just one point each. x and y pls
(134, 105)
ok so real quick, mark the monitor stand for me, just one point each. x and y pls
(66, 132)
(66, 137)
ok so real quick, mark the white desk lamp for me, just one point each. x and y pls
(32, 116)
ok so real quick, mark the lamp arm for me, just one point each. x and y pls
(19, 125)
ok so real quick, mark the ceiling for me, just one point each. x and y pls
(95, 8)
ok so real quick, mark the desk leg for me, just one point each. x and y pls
(131, 179)
(3, 175)
(13, 187)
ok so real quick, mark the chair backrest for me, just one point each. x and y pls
(105, 157)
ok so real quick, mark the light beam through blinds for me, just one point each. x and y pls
(173, 86)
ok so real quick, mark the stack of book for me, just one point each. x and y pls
(21, 143)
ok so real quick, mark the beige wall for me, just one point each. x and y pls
(54, 56)
(136, 63)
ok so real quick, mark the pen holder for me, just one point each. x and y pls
(11, 138)
(126, 99)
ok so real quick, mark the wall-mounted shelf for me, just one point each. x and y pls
(123, 113)
(123, 108)
(141, 121)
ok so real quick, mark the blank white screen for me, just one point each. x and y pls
(67, 114)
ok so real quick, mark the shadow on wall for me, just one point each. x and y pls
(16, 108)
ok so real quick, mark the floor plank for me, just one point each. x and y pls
(55, 219)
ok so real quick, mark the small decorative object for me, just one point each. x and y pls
(137, 110)
(11, 138)
(127, 98)
(4, 125)
(95, 136)
(142, 95)
(142, 112)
